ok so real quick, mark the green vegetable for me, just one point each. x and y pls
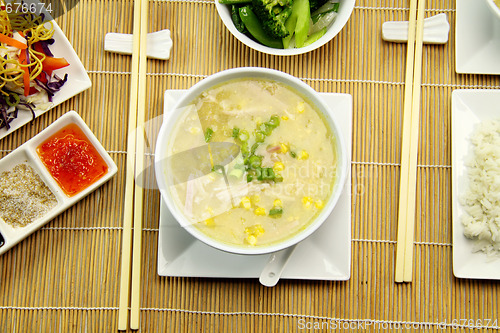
(208, 134)
(293, 154)
(273, 15)
(315, 36)
(254, 148)
(234, 2)
(218, 169)
(260, 136)
(301, 9)
(328, 6)
(290, 26)
(322, 21)
(315, 4)
(255, 28)
(266, 129)
(10, 102)
(266, 174)
(276, 212)
(243, 135)
(236, 173)
(274, 121)
(235, 16)
(236, 132)
(255, 161)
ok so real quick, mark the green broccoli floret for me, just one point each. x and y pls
(273, 14)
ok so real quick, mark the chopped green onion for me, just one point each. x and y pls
(236, 173)
(268, 129)
(274, 121)
(255, 161)
(254, 148)
(258, 173)
(249, 177)
(243, 136)
(260, 136)
(236, 131)
(293, 154)
(208, 134)
(218, 169)
(278, 178)
(266, 174)
(276, 212)
(9, 101)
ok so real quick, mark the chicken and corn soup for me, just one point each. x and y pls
(282, 176)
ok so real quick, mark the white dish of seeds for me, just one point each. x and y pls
(29, 196)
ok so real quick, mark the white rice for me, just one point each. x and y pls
(481, 200)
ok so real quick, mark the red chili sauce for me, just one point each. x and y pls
(71, 159)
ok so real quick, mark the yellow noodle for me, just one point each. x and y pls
(11, 71)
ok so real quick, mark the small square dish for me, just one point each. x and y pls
(477, 38)
(469, 107)
(48, 174)
(77, 81)
(324, 255)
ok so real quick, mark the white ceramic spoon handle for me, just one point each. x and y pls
(271, 273)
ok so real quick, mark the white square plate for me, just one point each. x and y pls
(469, 107)
(325, 255)
(477, 38)
(78, 79)
(27, 154)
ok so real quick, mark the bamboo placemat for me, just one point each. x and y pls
(65, 277)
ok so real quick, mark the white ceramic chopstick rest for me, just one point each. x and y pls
(436, 30)
(158, 44)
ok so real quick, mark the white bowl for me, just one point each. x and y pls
(170, 123)
(494, 8)
(345, 11)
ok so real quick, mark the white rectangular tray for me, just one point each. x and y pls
(477, 38)
(26, 153)
(325, 255)
(469, 107)
(78, 79)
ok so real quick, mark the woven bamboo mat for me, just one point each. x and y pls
(65, 277)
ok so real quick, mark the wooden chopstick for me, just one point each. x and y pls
(139, 168)
(130, 187)
(409, 150)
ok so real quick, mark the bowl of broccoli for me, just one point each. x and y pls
(284, 27)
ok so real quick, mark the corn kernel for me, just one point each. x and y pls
(245, 203)
(307, 202)
(260, 211)
(210, 222)
(252, 240)
(255, 230)
(278, 203)
(303, 155)
(255, 198)
(194, 130)
(284, 117)
(278, 166)
(259, 230)
(283, 148)
(319, 204)
(300, 107)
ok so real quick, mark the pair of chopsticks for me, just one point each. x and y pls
(409, 150)
(133, 206)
